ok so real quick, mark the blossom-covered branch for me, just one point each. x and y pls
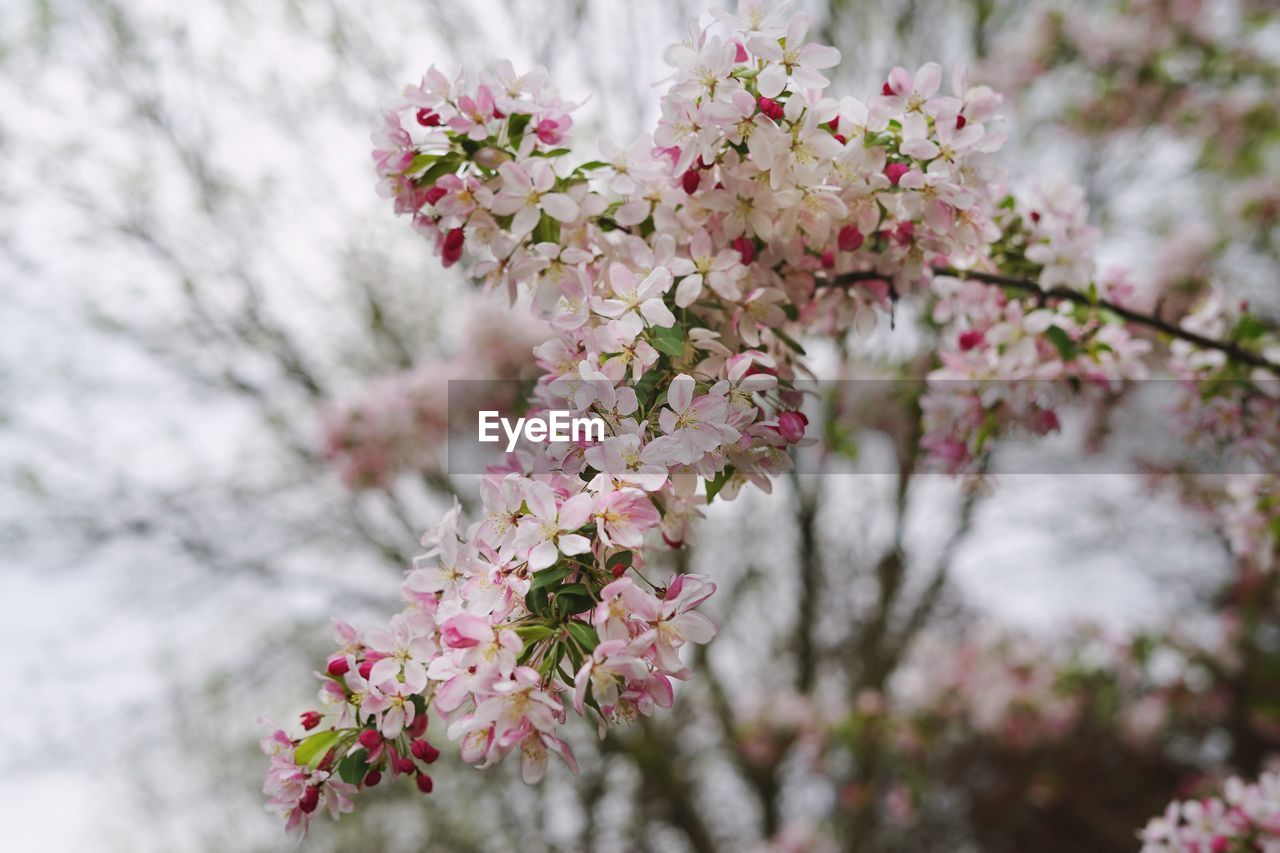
(675, 273)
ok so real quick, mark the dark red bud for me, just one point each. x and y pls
(745, 248)
(849, 238)
(338, 667)
(961, 121)
(828, 259)
(1035, 216)
(970, 339)
(311, 719)
(771, 108)
(365, 667)
(370, 739)
(428, 118)
(424, 751)
(886, 90)
(895, 171)
(405, 765)
(419, 725)
(425, 785)
(834, 124)
(310, 799)
(497, 113)
(434, 194)
(372, 778)
(690, 180)
(839, 137)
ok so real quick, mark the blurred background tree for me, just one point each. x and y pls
(210, 316)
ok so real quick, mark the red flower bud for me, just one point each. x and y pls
(451, 252)
(419, 725)
(741, 55)
(428, 118)
(370, 739)
(839, 137)
(425, 785)
(338, 667)
(690, 180)
(895, 171)
(434, 194)
(310, 799)
(1035, 216)
(970, 339)
(886, 90)
(424, 751)
(791, 425)
(372, 778)
(405, 765)
(365, 668)
(828, 259)
(745, 248)
(311, 719)
(771, 108)
(849, 239)
(961, 121)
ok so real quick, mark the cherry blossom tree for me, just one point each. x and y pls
(676, 275)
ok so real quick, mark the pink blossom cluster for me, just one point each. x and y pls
(1199, 68)
(1225, 408)
(1244, 816)
(399, 423)
(675, 274)
(1007, 361)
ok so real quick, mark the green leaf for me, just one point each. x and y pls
(622, 558)
(1248, 328)
(573, 598)
(547, 230)
(536, 600)
(715, 485)
(354, 767)
(669, 341)
(554, 152)
(446, 165)
(591, 164)
(584, 634)
(533, 633)
(789, 341)
(1062, 341)
(313, 750)
(547, 577)
(516, 126)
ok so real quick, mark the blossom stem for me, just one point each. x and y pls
(1232, 350)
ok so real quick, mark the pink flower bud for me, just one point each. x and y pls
(434, 194)
(311, 719)
(425, 785)
(849, 238)
(338, 667)
(895, 171)
(310, 799)
(970, 339)
(373, 777)
(424, 751)
(741, 54)
(451, 249)
(771, 108)
(745, 248)
(370, 739)
(690, 180)
(791, 425)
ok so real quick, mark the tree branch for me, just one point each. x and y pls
(1232, 350)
